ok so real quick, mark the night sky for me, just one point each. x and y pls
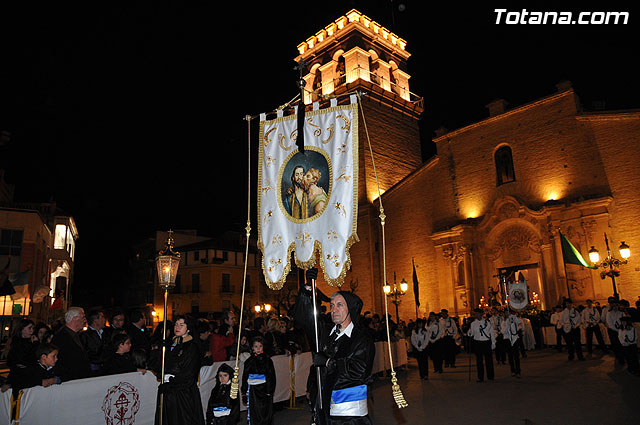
(130, 116)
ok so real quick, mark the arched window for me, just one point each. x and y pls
(505, 172)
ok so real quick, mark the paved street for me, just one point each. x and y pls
(552, 390)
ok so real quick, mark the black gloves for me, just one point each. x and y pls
(312, 274)
(320, 359)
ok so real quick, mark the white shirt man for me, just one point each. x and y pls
(419, 339)
(571, 321)
(435, 331)
(590, 316)
(482, 330)
(484, 340)
(627, 335)
(570, 318)
(510, 327)
(449, 339)
(612, 319)
(591, 322)
(496, 320)
(450, 327)
(555, 319)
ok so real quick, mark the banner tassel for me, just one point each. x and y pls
(395, 387)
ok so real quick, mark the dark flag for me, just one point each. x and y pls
(571, 255)
(300, 139)
(301, 106)
(416, 285)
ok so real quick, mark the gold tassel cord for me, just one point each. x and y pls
(395, 387)
(235, 388)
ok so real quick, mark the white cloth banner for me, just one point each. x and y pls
(5, 407)
(112, 400)
(307, 202)
(130, 398)
(518, 298)
(303, 363)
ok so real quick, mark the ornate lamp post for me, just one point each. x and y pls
(167, 263)
(396, 292)
(611, 263)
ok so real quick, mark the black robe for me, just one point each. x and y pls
(181, 404)
(221, 397)
(260, 409)
(118, 363)
(31, 376)
(73, 361)
(350, 364)
(21, 355)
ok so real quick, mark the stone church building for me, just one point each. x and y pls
(495, 196)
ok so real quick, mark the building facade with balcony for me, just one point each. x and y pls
(37, 243)
(210, 278)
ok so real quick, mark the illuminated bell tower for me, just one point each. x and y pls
(356, 53)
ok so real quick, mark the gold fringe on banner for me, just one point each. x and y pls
(395, 387)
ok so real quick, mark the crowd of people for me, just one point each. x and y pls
(88, 345)
(507, 335)
(82, 346)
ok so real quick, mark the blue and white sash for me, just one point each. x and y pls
(349, 401)
(221, 411)
(256, 379)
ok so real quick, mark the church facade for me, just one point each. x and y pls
(494, 199)
(499, 192)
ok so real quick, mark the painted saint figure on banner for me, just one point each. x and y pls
(317, 196)
(305, 185)
(296, 201)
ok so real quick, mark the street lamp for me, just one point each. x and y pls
(259, 308)
(396, 292)
(611, 263)
(167, 263)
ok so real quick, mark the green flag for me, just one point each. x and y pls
(571, 255)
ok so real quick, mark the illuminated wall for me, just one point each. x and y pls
(574, 173)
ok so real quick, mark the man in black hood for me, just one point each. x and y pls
(345, 359)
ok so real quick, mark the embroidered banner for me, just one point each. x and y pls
(307, 202)
(518, 298)
(125, 399)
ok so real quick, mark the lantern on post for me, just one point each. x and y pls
(610, 264)
(167, 263)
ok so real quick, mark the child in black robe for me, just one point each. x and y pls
(258, 385)
(41, 372)
(222, 409)
(120, 360)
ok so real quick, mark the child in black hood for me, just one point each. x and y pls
(222, 409)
